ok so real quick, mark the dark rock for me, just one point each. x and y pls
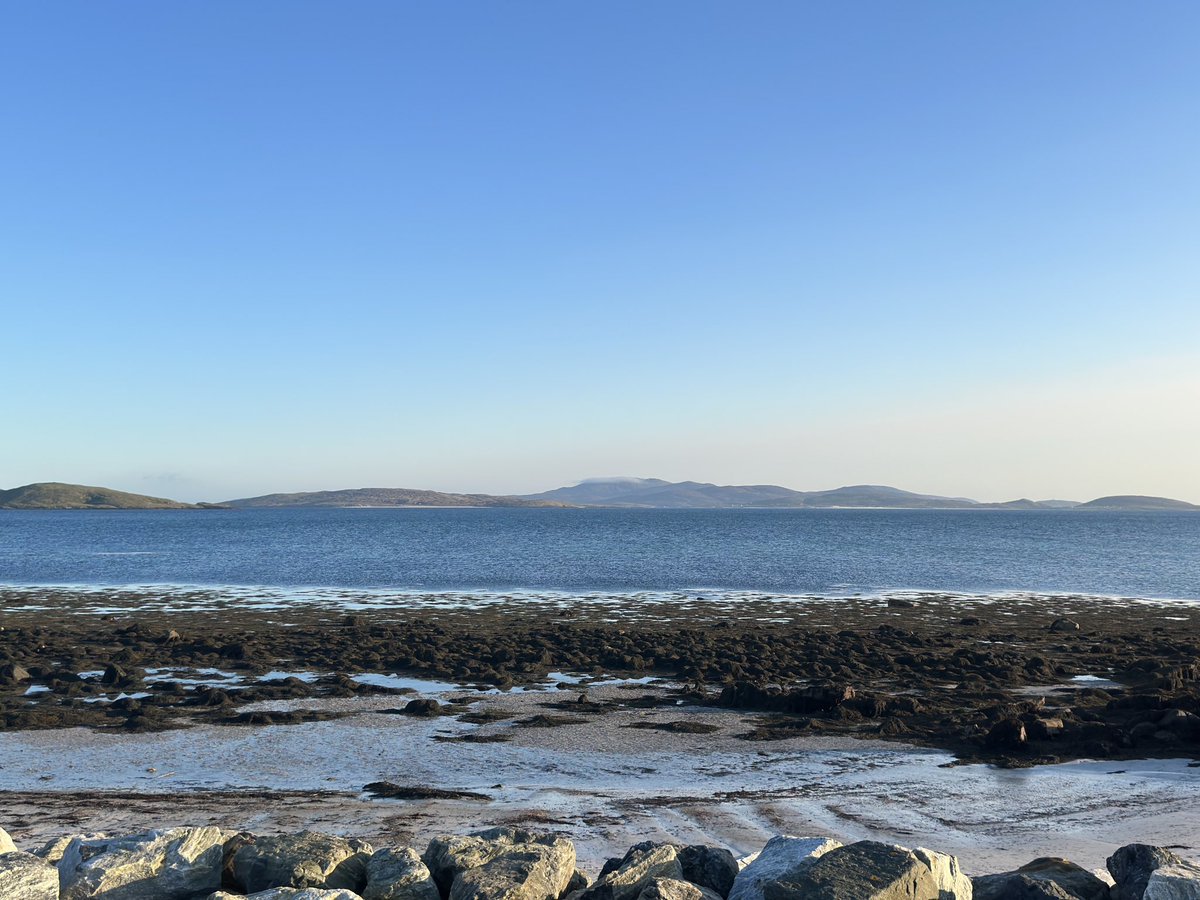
(1132, 865)
(1064, 625)
(1011, 886)
(425, 707)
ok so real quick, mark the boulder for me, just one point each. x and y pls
(870, 870)
(713, 868)
(501, 862)
(174, 864)
(634, 874)
(1011, 886)
(11, 673)
(708, 867)
(24, 876)
(1064, 625)
(1132, 865)
(1177, 882)
(290, 894)
(782, 857)
(305, 860)
(398, 874)
(951, 882)
(673, 889)
(6, 843)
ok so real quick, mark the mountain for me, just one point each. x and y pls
(1135, 502)
(383, 497)
(54, 495)
(656, 493)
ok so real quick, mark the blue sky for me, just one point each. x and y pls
(501, 246)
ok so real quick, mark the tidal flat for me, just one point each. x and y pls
(995, 727)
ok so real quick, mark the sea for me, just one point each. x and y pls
(813, 552)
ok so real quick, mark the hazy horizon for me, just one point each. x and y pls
(291, 246)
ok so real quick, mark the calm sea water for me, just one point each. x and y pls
(832, 552)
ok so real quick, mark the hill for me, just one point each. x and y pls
(1134, 502)
(55, 495)
(656, 493)
(383, 497)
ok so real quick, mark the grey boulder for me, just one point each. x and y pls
(673, 889)
(24, 876)
(1132, 865)
(708, 867)
(1177, 882)
(398, 874)
(174, 864)
(309, 859)
(870, 870)
(290, 894)
(501, 864)
(634, 873)
(783, 857)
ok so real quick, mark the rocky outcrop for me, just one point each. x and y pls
(501, 864)
(176, 864)
(783, 858)
(399, 874)
(870, 870)
(305, 860)
(24, 876)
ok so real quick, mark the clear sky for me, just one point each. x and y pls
(502, 246)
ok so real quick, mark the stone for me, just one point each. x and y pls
(1064, 625)
(673, 889)
(1011, 886)
(6, 843)
(24, 876)
(11, 673)
(783, 856)
(501, 862)
(870, 870)
(949, 877)
(634, 873)
(290, 894)
(1176, 882)
(399, 874)
(305, 860)
(709, 867)
(173, 864)
(1132, 865)
(1075, 880)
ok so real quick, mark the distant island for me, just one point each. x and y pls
(654, 493)
(384, 497)
(54, 495)
(623, 493)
